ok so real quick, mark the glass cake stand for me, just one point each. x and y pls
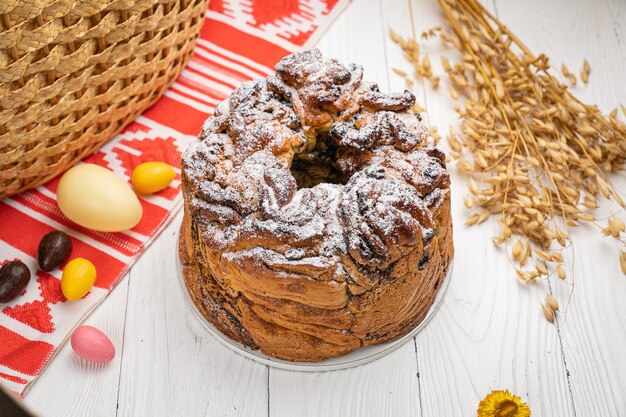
(358, 357)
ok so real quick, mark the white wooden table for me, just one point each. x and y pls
(489, 333)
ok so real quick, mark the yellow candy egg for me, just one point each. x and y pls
(150, 177)
(96, 198)
(78, 277)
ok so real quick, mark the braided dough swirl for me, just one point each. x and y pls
(317, 213)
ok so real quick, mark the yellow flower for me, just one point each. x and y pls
(502, 404)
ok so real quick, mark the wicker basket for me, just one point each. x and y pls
(73, 73)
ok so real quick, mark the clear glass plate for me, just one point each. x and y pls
(358, 357)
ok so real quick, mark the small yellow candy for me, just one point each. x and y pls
(150, 177)
(78, 277)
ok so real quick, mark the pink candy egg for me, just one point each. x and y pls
(91, 344)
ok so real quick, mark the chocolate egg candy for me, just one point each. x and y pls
(91, 344)
(14, 277)
(54, 249)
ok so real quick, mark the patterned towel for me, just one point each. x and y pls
(241, 40)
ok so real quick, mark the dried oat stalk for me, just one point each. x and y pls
(537, 156)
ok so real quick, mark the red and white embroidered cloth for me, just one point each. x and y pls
(241, 40)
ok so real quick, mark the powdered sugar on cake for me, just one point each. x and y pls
(242, 195)
(317, 213)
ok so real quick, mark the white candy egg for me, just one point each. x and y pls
(96, 198)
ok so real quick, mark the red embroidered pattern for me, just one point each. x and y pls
(242, 39)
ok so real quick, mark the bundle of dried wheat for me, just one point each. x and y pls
(539, 156)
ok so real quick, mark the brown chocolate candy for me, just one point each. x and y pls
(14, 277)
(54, 249)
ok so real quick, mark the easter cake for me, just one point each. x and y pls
(317, 213)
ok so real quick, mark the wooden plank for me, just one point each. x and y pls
(592, 326)
(388, 386)
(171, 365)
(71, 386)
(385, 387)
(489, 333)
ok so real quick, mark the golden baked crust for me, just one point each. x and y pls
(317, 213)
